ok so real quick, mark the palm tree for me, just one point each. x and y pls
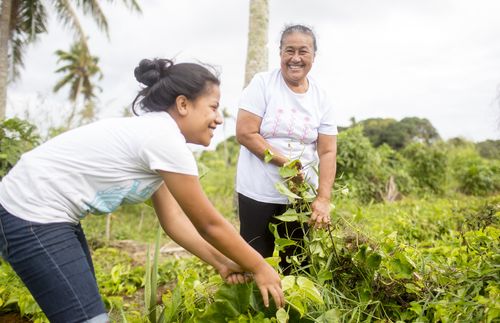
(79, 68)
(257, 39)
(23, 21)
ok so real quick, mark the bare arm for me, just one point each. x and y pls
(178, 227)
(327, 152)
(218, 232)
(247, 134)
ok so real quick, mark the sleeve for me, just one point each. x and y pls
(328, 124)
(253, 97)
(171, 155)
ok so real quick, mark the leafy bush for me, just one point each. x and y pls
(367, 171)
(479, 177)
(16, 137)
(473, 174)
(428, 166)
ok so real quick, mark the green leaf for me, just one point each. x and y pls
(331, 316)
(286, 172)
(282, 316)
(268, 155)
(310, 291)
(373, 261)
(287, 282)
(285, 191)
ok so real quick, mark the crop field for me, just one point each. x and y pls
(429, 253)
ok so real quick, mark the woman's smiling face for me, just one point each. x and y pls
(203, 117)
(297, 56)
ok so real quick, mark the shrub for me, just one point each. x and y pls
(427, 165)
(16, 137)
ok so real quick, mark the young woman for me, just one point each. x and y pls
(96, 168)
(285, 111)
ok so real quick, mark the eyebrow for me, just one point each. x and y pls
(300, 47)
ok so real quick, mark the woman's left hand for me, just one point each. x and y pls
(320, 217)
(232, 273)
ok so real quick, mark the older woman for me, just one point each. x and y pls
(284, 111)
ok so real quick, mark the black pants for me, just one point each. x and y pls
(255, 217)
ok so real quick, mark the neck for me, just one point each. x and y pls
(299, 86)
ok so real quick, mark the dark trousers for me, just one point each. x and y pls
(53, 261)
(255, 218)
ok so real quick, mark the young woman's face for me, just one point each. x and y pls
(297, 56)
(204, 116)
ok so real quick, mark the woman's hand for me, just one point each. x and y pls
(320, 217)
(268, 281)
(232, 273)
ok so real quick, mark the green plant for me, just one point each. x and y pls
(16, 137)
(428, 166)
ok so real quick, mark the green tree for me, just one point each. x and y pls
(375, 129)
(398, 134)
(23, 21)
(79, 68)
(489, 149)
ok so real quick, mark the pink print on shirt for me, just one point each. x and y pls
(291, 123)
(307, 127)
(277, 121)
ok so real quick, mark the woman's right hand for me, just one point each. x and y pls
(269, 282)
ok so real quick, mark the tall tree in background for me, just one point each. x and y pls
(80, 68)
(23, 21)
(398, 134)
(257, 57)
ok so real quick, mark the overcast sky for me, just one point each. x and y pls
(434, 59)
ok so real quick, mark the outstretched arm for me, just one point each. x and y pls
(178, 227)
(219, 233)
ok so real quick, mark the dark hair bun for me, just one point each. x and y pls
(151, 71)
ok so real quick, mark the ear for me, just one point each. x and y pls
(181, 105)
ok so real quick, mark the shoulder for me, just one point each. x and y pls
(266, 77)
(316, 89)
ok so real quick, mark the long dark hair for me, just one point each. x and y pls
(165, 81)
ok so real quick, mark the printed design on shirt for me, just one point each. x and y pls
(110, 199)
(307, 128)
(294, 125)
(276, 122)
(291, 122)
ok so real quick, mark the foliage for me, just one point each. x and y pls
(366, 171)
(218, 169)
(15, 297)
(425, 260)
(16, 137)
(489, 149)
(427, 165)
(80, 67)
(479, 177)
(29, 20)
(399, 134)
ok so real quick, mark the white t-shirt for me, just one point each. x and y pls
(96, 168)
(291, 123)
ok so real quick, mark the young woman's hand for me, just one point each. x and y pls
(232, 273)
(269, 282)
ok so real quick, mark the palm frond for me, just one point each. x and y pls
(93, 8)
(67, 14)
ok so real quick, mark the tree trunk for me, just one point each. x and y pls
(257, 39)
(5, 15)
